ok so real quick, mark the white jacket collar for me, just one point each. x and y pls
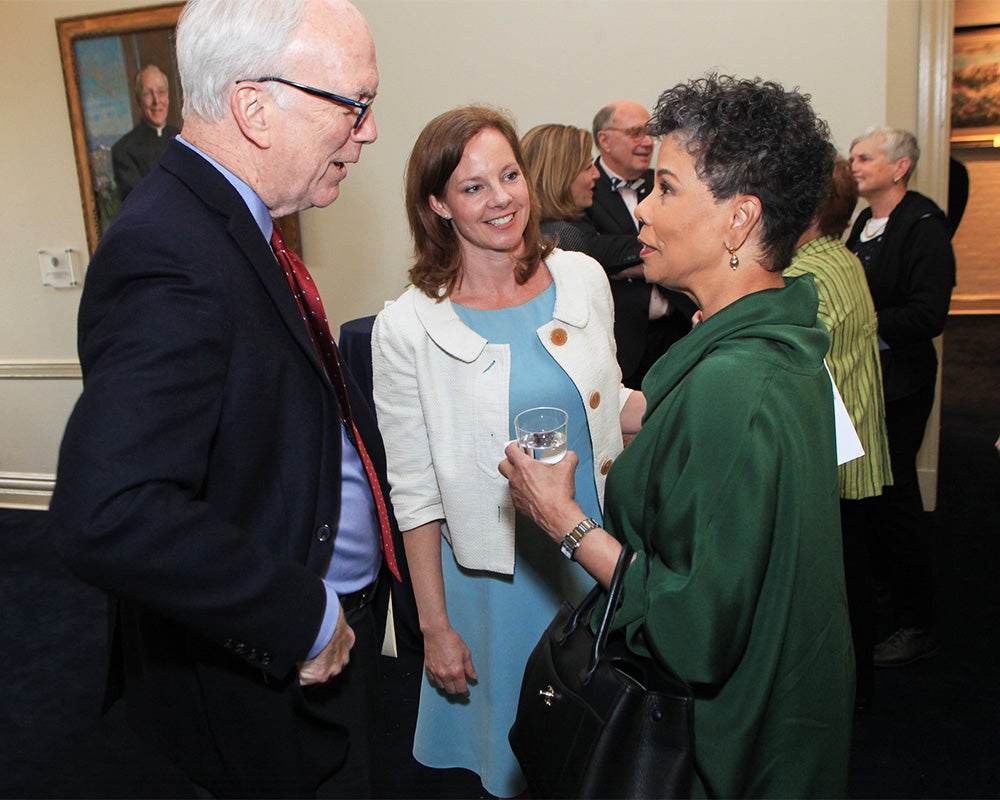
(454, 337)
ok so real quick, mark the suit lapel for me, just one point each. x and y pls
(647, 185)
(216, 192)
(265, 264)
(611, 201)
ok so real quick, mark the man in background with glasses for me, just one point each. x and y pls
(648, 319)
(219, 477)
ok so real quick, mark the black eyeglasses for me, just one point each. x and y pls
(335, 98)
(637, 132)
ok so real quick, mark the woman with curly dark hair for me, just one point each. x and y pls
(729, 492)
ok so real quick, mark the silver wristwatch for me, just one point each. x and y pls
(572, 540)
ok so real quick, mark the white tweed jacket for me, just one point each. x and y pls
(441, 394)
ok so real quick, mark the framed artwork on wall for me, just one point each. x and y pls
(101, 56)
(975, 98)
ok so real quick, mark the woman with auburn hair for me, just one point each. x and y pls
(845, 307)
(495, 322)
(728, 494)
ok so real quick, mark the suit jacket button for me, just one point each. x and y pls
(595, 399)
(606, 467)
(558, 337)
(323, 533)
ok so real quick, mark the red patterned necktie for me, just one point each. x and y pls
(313, 314)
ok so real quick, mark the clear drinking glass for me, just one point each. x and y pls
(541, 433)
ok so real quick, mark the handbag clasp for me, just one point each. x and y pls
(548, 693)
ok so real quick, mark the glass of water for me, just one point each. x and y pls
(541, 433)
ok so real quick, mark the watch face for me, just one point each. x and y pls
(572, 540)
(569, 544)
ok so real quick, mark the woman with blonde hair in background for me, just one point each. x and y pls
(560, 163)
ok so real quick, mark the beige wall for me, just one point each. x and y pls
(544, 60)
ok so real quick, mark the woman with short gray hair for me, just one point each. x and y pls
(903, 242)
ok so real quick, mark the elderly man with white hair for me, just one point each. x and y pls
(221, 477)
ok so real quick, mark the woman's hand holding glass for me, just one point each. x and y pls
(543, 492)
(541, 432)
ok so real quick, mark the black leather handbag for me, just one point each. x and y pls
(595, 720)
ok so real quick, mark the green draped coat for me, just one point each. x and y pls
(729, 495)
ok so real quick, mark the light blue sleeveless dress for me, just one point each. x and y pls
(501, 617)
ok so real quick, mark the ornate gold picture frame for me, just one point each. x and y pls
(975, 104)
(101, 54)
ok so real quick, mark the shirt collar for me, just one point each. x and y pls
(258, 210)
(610, 172)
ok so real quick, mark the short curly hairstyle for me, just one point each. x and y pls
(753, 137)
(435, 156)
(554, 156)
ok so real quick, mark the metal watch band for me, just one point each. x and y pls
(572, 540)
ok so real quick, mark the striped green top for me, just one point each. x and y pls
(845, 307)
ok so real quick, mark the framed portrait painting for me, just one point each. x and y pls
(102, 55)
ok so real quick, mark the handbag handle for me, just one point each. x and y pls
(615, 589)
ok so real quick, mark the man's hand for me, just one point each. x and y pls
(332, 659)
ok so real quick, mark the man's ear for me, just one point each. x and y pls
(252, 108)
(602, 138)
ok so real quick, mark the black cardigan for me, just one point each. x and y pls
(911, 283)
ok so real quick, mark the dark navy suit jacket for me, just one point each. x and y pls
(631, 297)
(198, 482)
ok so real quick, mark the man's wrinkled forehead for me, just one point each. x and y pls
(630, 114)
(335, 38)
